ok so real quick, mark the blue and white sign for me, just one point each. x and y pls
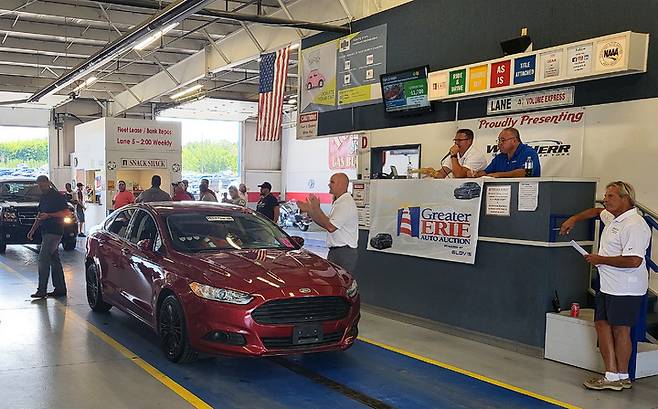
(428, 218)
(524, 69)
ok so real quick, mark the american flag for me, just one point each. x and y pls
(273, 74)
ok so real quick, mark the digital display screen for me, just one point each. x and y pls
(406, 90)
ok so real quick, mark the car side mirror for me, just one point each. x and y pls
(298, 240)
(145, 245)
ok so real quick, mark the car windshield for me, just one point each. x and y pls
(20, 191)
(195, 232)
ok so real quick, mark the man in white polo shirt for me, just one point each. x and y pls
(341, 224)
(624, 280)
(462, 158)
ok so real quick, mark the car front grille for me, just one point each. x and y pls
(286, 342)
(26, 216)
(301, 310)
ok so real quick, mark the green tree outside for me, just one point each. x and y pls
(210, 157)
(32, 152)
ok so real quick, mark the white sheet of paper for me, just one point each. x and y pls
(498, 200)
(578, 248)
(528, 196)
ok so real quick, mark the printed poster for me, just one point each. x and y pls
(435, 219)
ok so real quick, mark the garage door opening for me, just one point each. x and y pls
(23, 151)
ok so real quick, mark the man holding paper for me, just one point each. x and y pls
(624, 279)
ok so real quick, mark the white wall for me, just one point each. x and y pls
(261, 160)
(30, 117)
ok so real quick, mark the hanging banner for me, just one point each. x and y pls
(557, 136)
(343, 73)
(435, 219)
(342, 151)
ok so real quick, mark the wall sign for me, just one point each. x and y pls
(127, 163)
(616, 54)
(530, 101)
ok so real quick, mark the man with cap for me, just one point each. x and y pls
(50, 220)
(268, 205)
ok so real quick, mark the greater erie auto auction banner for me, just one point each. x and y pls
(435, 219)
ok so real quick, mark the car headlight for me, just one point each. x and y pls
(9, 216)
(220, 294)
(353, 290)
(68, 220)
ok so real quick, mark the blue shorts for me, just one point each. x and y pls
(617, 310)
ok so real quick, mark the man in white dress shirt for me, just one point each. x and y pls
(624, 280)
(463, 157)
(341, 224)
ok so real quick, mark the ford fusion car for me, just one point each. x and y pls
(19, 201)
(468, 190)
(219, 279)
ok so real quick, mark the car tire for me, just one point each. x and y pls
(173, 332)
(309, 86)
(94, 291)
(302, 226)
(69, 245)
(320, 83)
(3, 248)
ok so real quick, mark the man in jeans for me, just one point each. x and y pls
(50, 220)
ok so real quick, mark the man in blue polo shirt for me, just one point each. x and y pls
(510, 162)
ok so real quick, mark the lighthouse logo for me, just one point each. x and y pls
(409, 221)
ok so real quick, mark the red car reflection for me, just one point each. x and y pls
(219, 279)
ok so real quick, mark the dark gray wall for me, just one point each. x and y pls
(449, 33)
(508, 290)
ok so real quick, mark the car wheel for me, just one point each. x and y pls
(69, 245)
(3, 248)
(309, 86)
(172, 331)
(94, 292)
(302, 226)
(320, 84)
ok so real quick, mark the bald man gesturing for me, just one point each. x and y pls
(341, 224)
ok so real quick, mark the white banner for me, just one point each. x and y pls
(426, 218)
(556, 135)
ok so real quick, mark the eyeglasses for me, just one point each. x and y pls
(460, 140)
(502, 140)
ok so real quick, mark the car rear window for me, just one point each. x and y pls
(195, 232)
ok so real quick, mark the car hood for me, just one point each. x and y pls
(255, 270)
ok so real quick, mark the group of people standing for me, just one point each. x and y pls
(238, 196)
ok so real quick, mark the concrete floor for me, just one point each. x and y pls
(55, 354)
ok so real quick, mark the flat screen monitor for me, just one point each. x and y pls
(406, 92)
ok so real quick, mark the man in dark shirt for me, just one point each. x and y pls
(268, 205)
(50, 220)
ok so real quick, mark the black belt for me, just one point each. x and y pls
(338, 247)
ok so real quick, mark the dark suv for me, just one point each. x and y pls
(19, 199)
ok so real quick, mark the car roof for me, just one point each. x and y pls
(17, 179)
(188, 206)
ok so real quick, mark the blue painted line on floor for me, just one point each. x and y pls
(392, 378)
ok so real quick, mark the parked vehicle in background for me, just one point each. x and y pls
(19, 201)
(290, 216)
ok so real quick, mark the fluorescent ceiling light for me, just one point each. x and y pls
(186, 91)
(154, 37)
(86, 83)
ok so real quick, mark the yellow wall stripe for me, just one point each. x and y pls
(469, 373)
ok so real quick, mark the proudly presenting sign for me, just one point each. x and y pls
(557, 136)
(127, 163)
(435, 219)
(530, 101)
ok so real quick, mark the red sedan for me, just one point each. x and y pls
(219, 279)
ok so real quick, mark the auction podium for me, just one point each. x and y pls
(521, 262)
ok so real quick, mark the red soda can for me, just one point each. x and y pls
(575, 309)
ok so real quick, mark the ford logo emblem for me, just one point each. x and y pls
(304, 290)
